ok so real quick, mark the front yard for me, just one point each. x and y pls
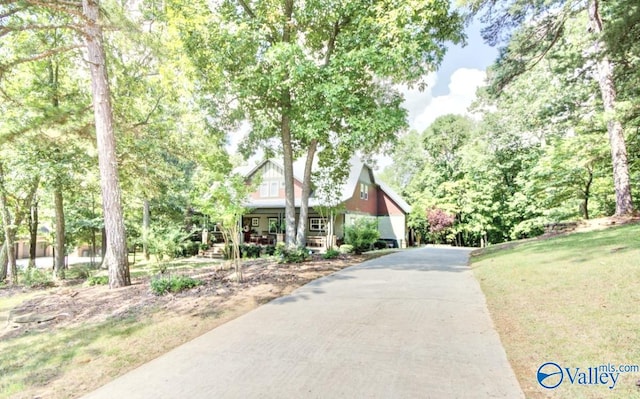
(572, 300)
(65, 341)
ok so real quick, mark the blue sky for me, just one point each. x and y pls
(475, 55)
(453, 86)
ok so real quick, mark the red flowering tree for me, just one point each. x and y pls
(440, 223)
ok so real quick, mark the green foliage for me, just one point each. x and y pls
(270, 250)
(168, 242)
(36, 278)
(173, 284)
(346, 249)
(98, 280)
(250, 250)
(362, 235)
(529, 228)
(290, 255)
(331, 254)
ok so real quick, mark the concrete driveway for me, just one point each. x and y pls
(409, 325)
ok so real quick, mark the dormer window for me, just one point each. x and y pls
(364, 191)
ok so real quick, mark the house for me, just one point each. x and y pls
(362, 195)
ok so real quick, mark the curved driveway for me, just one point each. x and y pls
(413, 324)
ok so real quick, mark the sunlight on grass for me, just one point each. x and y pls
(34, 359)
(572, 300)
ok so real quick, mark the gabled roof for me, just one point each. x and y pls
(346, 191)
(394, 197)
(298, 168)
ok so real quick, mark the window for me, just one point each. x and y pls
(317, 224)
(273, 225)
(269, 189)
(264, 189)
(364, 191)
(273, 189)
(255, 222)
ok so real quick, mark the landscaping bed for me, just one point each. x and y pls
(64, 341)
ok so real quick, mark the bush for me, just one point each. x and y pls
(279, 249)
(270, 250)
(331, 254)
(362, 235)
(380, 245)
(528, 229)
(174, 284)
(33, 277)
(346, 249)
(250, 250)
(292, 255)
(98, 280)
(190, 248)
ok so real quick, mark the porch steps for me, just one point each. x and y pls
(212, 252)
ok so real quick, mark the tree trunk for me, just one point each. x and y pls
(103, 238)
(624, 203)
(10, 227)
(33, 233)
(146, 224)
(58, 264)
(9, 237)
(115, 258)
(587, 193)
(287, 150)
(301, 240)
(4, 261)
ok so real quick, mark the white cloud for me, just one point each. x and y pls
(424, 108)
(462, 92)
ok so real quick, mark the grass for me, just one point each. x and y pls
(67, 362)
(573, 300)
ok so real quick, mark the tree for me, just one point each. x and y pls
(279, 61)
(115, 259)
(82, 18)
(221, 193)
(539, 27)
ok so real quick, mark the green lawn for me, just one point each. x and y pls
(573, 300)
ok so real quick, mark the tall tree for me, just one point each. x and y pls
(115, 259)
(314, 75)
(532, 30)
(79, 17)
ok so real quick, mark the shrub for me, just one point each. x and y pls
(98, 280)
(250, 250)
(346, 249)
(174, 284)
(362, 235)
(33, 277)
(270, 250)
(190, 248)
(380, 244)
(279, 249)
(331, 254)
(528, 229)
(292, 255)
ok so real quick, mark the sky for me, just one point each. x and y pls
(452, 88)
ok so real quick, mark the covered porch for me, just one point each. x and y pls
(266, 226)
